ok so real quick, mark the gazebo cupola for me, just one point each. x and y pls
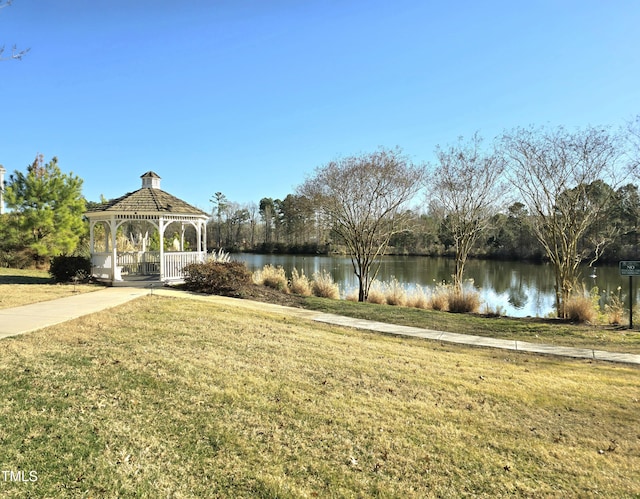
(122, 258)
(150, 180)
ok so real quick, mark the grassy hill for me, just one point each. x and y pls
(176, 398)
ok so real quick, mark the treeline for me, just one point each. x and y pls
(294, 226)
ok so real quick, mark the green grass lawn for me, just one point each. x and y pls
(177, 398)
(549, 331)
(21, 287)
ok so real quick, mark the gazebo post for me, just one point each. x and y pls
(92, 242)
(161, 228)
(114, 251)
(199, 232)
(203, 241)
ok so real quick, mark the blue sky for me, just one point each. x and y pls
(248, 97)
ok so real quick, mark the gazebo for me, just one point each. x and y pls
(128, 257)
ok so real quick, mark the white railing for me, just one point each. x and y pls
(174, 262)
(139, 262)
(144, 263)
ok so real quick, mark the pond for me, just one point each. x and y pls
(519, 289)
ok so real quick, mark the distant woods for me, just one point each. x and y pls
(530, 191)
(291, 226)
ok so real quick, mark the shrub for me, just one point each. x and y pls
(272, 277)
(299, 284)
(66, 268)
(395, 293)
(323, 286)
(418, 298)
(224, 278)
(579, 308)
(376, 294)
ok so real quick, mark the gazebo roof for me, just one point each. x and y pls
(149, 199)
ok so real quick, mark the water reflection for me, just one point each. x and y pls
(519, 289)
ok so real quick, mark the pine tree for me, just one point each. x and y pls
(47, 208)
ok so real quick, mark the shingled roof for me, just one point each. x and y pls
(149, 200)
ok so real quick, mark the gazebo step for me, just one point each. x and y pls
(138, 283)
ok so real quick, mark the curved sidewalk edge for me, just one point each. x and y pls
(479, 341)
(27, 318)
(416, 332)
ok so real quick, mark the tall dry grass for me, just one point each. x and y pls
(352, 295)
(395, 293)
(376, 293)
(299, 284)
(580, 308)
(463, 301)
(439, 299)
(323, 286)
(272, 277)
(418, 298)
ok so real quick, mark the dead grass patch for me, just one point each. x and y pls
(23, 287)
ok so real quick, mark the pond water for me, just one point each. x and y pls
(519, 289)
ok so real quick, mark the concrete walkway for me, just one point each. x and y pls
(19, 320)
(27, 318)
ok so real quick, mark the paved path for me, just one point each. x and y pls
(18, 320)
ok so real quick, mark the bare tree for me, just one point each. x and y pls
(466, 187)
(252, 210)
(220, 205)
(559, 176)
(364, 198)
(15, 53)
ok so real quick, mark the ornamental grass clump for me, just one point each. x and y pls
(463, 301)
(272, 277)
(220, 256)
(352, 295)
(376, 294)
(580, 308)
(299, 284)
(322, 285)
(439, 299)
(417, 298)
(395, 293)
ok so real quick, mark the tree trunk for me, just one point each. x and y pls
(459, 274)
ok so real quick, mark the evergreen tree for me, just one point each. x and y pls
(47, 208)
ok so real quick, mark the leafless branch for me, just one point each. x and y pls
(15, 54)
